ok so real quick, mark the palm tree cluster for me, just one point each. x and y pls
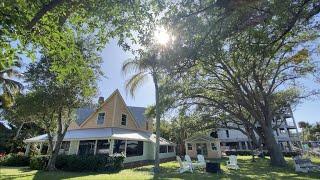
(10, 87)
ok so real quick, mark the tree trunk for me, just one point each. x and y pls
(60, 135)
(157, 160)
(276, 156)
(16, 137)
(51, 166)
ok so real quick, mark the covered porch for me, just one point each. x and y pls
(205, 145)
(136, 145)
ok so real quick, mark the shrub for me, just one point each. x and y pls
(89, 162)
(15, 160)
(39, 162)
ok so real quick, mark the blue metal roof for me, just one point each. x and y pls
(138, 113)
(83, 113)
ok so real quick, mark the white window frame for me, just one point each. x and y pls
(126, 119)
(104, 118)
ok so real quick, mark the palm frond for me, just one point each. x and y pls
(136, 81)
(11, 86)
(133, 65)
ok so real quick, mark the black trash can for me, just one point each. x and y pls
(213, 167)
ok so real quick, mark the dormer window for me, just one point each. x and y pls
(100, 119)
(123, 119)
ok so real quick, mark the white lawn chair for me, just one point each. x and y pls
(304, 165)
(201, 161)
(184, 166)
(232, 163)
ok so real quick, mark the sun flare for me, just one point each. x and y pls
(161, 36)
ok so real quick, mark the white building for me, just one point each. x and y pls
(286, 135)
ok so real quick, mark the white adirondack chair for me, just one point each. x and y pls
(201, 161)
(232, 163)
(184, 166)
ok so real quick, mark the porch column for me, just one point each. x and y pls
(95, 147)
(246, 143)
(41, 146)
(111, 146)
(240, 145)
(186, 147)
(27, 149)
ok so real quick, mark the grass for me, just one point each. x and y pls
(248, 170)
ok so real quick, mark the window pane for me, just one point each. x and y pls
(103, 147)
(170, 148)
(124, 120)
(189, 146)
(119, 146)
(100, 119)
(86, 147)
(163, 149)
(134, 148)
(64, 147)
(213, 146)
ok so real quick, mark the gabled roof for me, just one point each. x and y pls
(137, 112)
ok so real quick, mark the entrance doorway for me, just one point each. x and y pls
(202, 149)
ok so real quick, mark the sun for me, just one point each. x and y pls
(161, 36)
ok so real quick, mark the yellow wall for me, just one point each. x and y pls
(113, 107)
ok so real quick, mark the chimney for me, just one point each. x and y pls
(101, 100)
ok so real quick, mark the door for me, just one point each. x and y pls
(202, 149)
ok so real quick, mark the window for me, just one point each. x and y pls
(227, 133)
(134, 148)
(243, 145)
(124, 120)
(213, 147)
(163, 149)
(189, 146)
(103, 147)
(119, 146)
(100, 119)
(64, 147)
(44, 149)
(86, 147)
(282, 131)
(170, 149)
(214, 134)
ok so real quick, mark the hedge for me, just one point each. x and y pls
(79, 163)
(39, 162)
(15, 160)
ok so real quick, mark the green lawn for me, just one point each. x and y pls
(248, 170)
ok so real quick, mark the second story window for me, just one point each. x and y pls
(227, 133)
(100, 119)
(123, 119)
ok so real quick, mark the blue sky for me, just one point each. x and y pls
(113, 57)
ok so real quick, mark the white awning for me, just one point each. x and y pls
(104, 133)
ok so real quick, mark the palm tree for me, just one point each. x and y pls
(143, 67)
(9, 87)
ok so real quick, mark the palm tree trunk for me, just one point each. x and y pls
(157, 160)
